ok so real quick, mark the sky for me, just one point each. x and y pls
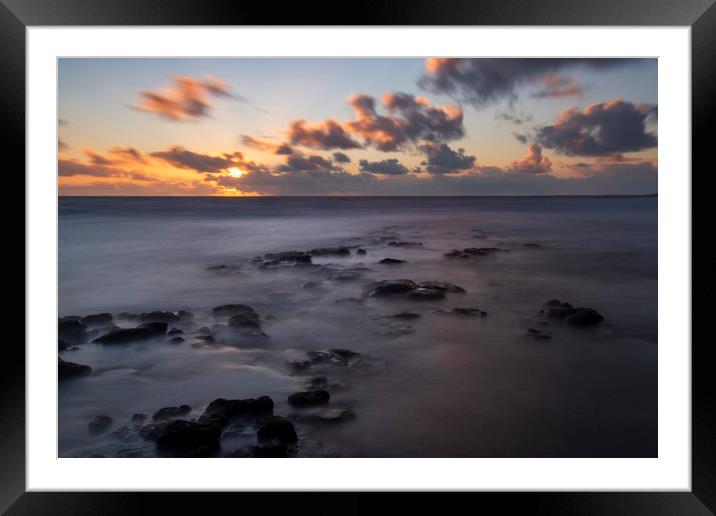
(357, 126)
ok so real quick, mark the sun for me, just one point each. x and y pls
(236, 172)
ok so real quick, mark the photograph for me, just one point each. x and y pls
(357, 257)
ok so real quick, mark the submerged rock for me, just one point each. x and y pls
(578, 316)
(157, 326)
(426, 294)
(346, 275)
(426, 290)
(287, 257)
(171, 412)
(470, 311)
(309, 398)
(361, 252)
(142, 333)
(399, 243)
(139, 418)
(99, 424)
(391, 287)
(175, 331)
(403, 316)
(443, 286)
(183, 438)
(224, 269)
(537, 334)
(71, 369)
(176, 340)
(331, 251)
(72, 331)
(234, 309)
(276, 428)
(159, 317)
(96, 320)
(474, 251)
(391, 261)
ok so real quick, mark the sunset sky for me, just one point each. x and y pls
(379, 126)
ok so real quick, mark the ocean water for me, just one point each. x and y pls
(438, 386)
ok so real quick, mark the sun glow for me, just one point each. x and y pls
(236, 172)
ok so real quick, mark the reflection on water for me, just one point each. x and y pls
(440, 385)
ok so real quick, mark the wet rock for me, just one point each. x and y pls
(474, 251)
(234, 309)
(183, 438)
(331, 251)
(171, 412)
(204, 330)
(336, 356)
(99, 424)
(361, 252)
(159, 317)
(128, 335)
(97, 320)
(426, 294)
(391, 287)
(71, 369)
(443, 286)
(245, 321)
(391, 261)
(221, 410)
(276, 429)
(538, 334)
(287, 257)
(209, 339)
(185, 315)
(578, 316)
(175, 331)
(309, 398)
(139, 418)
(469, 311)
(399, 243)
(157, 326)
(72, 331)
(403, 316)
(127, 316)
(176, 340)
(312, 284)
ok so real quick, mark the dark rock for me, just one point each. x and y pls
(204, 330)
(361, 252)
(405, 244)
(317, 383)
(404, 316)
(245, 321)
(127, 335)
(309, 398)
(171, 412)
(183, 438)
(95, 320)
(72, 331)
(71, 369)
(391, 261)
(175, 331)
(331, 251)
(474, 251)
(157, 326)
(62, 345)
(463, 311)
(176, 340)
(221, 410)
(312, 284)
(577, 316)
(139, 418)
(206, 338)
(185, 315)
(127, 316)
(336, 356)
(276, 428)
(288, 257)
(532, 332)
(235, 309)
(99, 424)
(443, 286)
(69, 318)
(224, 269)
(426, 294)
(391, 287)
(160, 317)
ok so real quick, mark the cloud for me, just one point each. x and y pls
(611, 127)
(485, 81)
(441, 159)
(125, 188)
(513, 118)
(299, 183)
(302, 163)
(180, 157)
(263, 145)
(557, 86)
(187, 99)
(72, 167)
(325, 135)
(391, 167)
(340, 157)
(533, 162)
(522, 138)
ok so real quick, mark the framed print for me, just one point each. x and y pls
(428, 251)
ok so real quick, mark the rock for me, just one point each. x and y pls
(443, 286)
(331, 251)
(299, 365)
(127, 335)
(361, 252)
(346, 275)
(404, 316)
(474, 251)
(426, 294)
(287, 257)
(176, 340)
(221, 410)
(317, 383)
(276, 428)
(175, 331)
(312, 284)
(71, 369)
(185, 315)
(171, 412)
(62, 345)
(99, 424)
(204, 330)
(72, 331)
(245, 321)
(391, 287)
(183, 438)
(405, 244)
(157, 326)
(224, 269)
(235, 309)
(463, 311)
(96, 320)
(69, 318)
(309, 398)
(577, 316)
(139, 418)
(391, 261)
(336, 356)
(159, 317)
(532, 332)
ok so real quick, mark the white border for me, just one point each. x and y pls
(671, 471)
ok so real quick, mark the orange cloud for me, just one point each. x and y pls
(533, 162)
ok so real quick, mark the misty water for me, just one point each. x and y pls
(437, 386)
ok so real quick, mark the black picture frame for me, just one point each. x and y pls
(17, 15)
